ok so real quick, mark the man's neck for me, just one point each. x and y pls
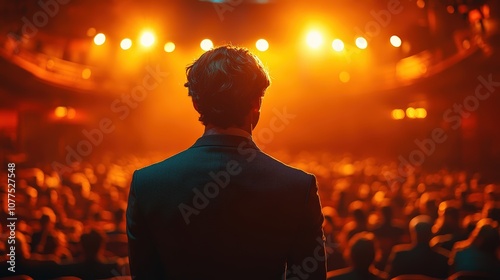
(213, 130)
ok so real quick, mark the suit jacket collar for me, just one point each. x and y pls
(224, 140)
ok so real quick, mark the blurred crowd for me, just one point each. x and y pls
(382, 220)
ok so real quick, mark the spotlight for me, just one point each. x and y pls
(99, 39)
(169, 47)
(262, 45)
(398, 114)
(338, 45)
(361, 43)
(395, 41)
(206, 44)
(125, 44)
(147, 39)
(411, 112)
(314, 39)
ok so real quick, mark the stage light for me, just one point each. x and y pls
(125, 44)
(398, 114)
(99, 39)
(450, 9)
(344, 77)
(314, 39)
(420, 113)
(262, 45)
(338, 45)
(396, 41)
(411, 112)
(206, 44)
(86, 73)
(147, 39)
(421, 4)
(361, 43)
(61, 111)
(169, 47)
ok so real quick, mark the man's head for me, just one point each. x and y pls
(226, 85)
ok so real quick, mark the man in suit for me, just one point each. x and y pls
(419, 257)
(223, 209)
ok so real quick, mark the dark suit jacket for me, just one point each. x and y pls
(223, 209)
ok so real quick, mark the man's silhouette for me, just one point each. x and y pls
(223, 209)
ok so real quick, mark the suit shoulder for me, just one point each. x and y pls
(291, 170)
(160, 165)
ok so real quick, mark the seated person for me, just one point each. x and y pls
(49, 243)
(387, 233)
(359, 222)
(361, 254)
(418, 257)
(447, 227)
(24, 264)
(93, 266)
(478, 252)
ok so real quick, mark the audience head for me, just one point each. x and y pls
(32, 196)
(428, 205)
(470, 221)
(226, 85)
(449, 218)
(491, 210)
(47, 218)
(356, 209)
(485, 236)
(330, 221)
(93, 244)
(421, 229)
(492, 192)
(361, 250)
(386, 210)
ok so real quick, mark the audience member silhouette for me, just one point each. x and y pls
(387, 233)
(360, 254)
(359, 222)
(48, 242)
(447, 227)
(335, 258)
(24, 264)
(418, 257)
(479, 252)
(93, 265)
